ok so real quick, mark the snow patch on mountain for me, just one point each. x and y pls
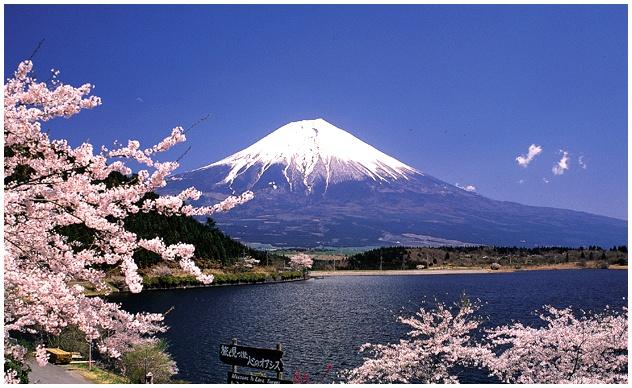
(312, 151)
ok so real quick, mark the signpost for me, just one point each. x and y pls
(267, 359)
(257, 358)
(243, 378)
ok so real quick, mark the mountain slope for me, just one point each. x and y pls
(311, 153)
(317, 185)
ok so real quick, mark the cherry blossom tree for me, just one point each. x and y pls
(567, 349)
(246, 263)
(439, 341)
(50, 185)
(301, 261)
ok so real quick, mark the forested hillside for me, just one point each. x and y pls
(212, 246)
(213, 249)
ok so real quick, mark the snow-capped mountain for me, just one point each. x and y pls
(312, 153)
(317, 185)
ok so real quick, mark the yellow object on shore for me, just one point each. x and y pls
(59, 356)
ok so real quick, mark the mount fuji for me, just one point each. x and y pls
(317, 185)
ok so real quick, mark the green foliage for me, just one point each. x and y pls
(212, 246)
(621, 261)
(390, 257)
(289, 275)
(99, 375)
(169, 281)
(148, 357)
(71, 339)
(244, 277)
(173, 281)
(21, 369)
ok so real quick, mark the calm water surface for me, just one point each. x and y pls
(326, 320)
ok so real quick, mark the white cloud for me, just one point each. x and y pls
(138, 99)
(521, 181)
(524, 160)
(470, 188)
(545, 180)
(581, 162)
(562, 165)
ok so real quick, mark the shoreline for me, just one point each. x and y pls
(114, 290)
(375, 272)
(221, 285)
(446, 271)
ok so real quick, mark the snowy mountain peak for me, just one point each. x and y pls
(313, 151)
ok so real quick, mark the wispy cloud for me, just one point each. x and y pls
(524, 160)
(521, 181)
(470, 188)
(138, 99)
(582, 163)
(562, 165)
(545, 180)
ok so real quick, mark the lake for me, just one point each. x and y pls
(321, 321)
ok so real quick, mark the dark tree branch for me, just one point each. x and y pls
(200, 121)
(195, 124)
(39, 45)
(184, 153)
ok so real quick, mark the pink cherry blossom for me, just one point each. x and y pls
(41, 356)
(50, 185)
(301, 261)
(570, 348)
(440, 339)
(11, 377)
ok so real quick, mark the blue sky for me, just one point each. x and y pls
(455, 91)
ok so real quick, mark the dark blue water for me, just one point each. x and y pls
(326, 320)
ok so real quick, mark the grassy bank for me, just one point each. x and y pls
(181, 280)
(98, 375)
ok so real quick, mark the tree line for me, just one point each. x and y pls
(412, 257)
(213, 248)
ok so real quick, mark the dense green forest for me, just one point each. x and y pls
(212, 246)
(213, 249)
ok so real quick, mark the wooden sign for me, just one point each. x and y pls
(266, 359)
(242, 378)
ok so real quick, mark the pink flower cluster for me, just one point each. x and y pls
(567, 349)
(246, 263)
(301, 378)
(41, 356)
(439, 339)
(11, 377)
(301, 261)
(49, 186)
